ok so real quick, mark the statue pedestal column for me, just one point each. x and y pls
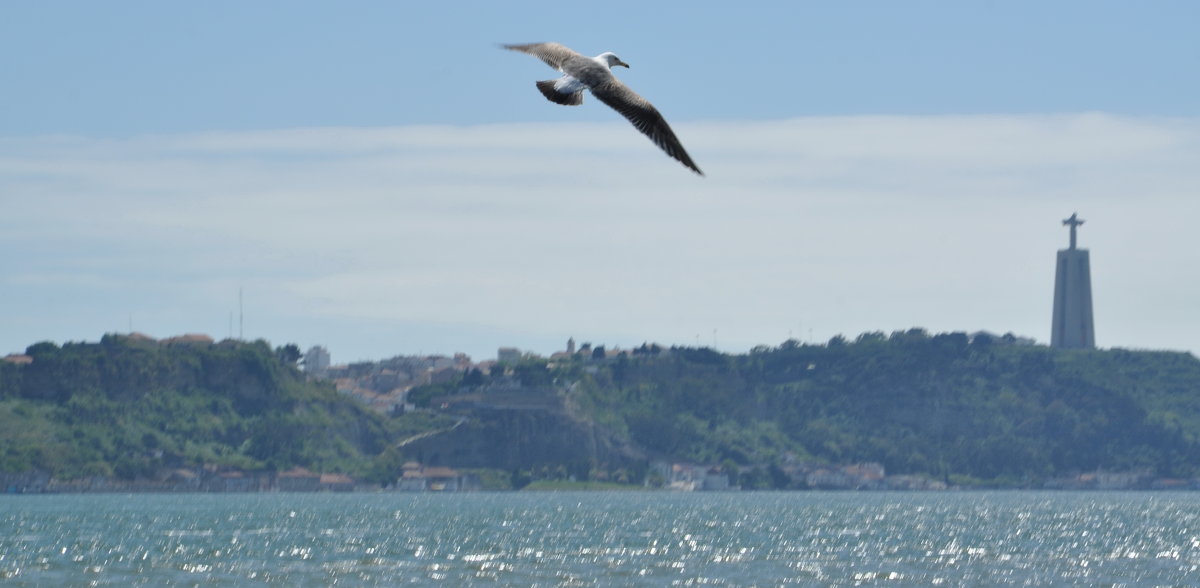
(1072, 326)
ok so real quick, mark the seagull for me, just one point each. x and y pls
(595, 73)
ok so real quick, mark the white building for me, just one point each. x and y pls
(316, 361)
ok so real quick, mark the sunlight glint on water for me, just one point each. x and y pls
(734, 539)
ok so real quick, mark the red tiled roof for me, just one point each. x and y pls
(297, 472)
(336, 479)
(439, 472)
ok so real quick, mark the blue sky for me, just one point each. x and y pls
(122, 68)
(379, 178)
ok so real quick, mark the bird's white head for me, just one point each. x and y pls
(610, 59)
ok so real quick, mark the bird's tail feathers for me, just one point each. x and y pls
(547, 88)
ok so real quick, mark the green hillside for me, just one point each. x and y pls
(981, 410)
(128, 407)
(922, 405)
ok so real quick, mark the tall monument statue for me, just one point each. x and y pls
(1073, 222)
(1072, 327)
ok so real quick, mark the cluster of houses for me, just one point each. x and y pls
(419, 478)
(382, 385)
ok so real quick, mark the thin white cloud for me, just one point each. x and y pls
(539, 232)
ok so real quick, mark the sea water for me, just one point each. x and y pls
(602, 538)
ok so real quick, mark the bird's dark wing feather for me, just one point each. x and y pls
(644, 117)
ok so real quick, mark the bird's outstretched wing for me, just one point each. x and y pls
(553, 54)
(644, 117)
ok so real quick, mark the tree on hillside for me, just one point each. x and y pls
(289, 354)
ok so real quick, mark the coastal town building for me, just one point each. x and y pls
(316, 361)
(508, 355)
(419, 478)
(682, 477)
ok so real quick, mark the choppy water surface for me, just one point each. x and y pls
(580, 539)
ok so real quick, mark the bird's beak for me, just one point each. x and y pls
(619, 62)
